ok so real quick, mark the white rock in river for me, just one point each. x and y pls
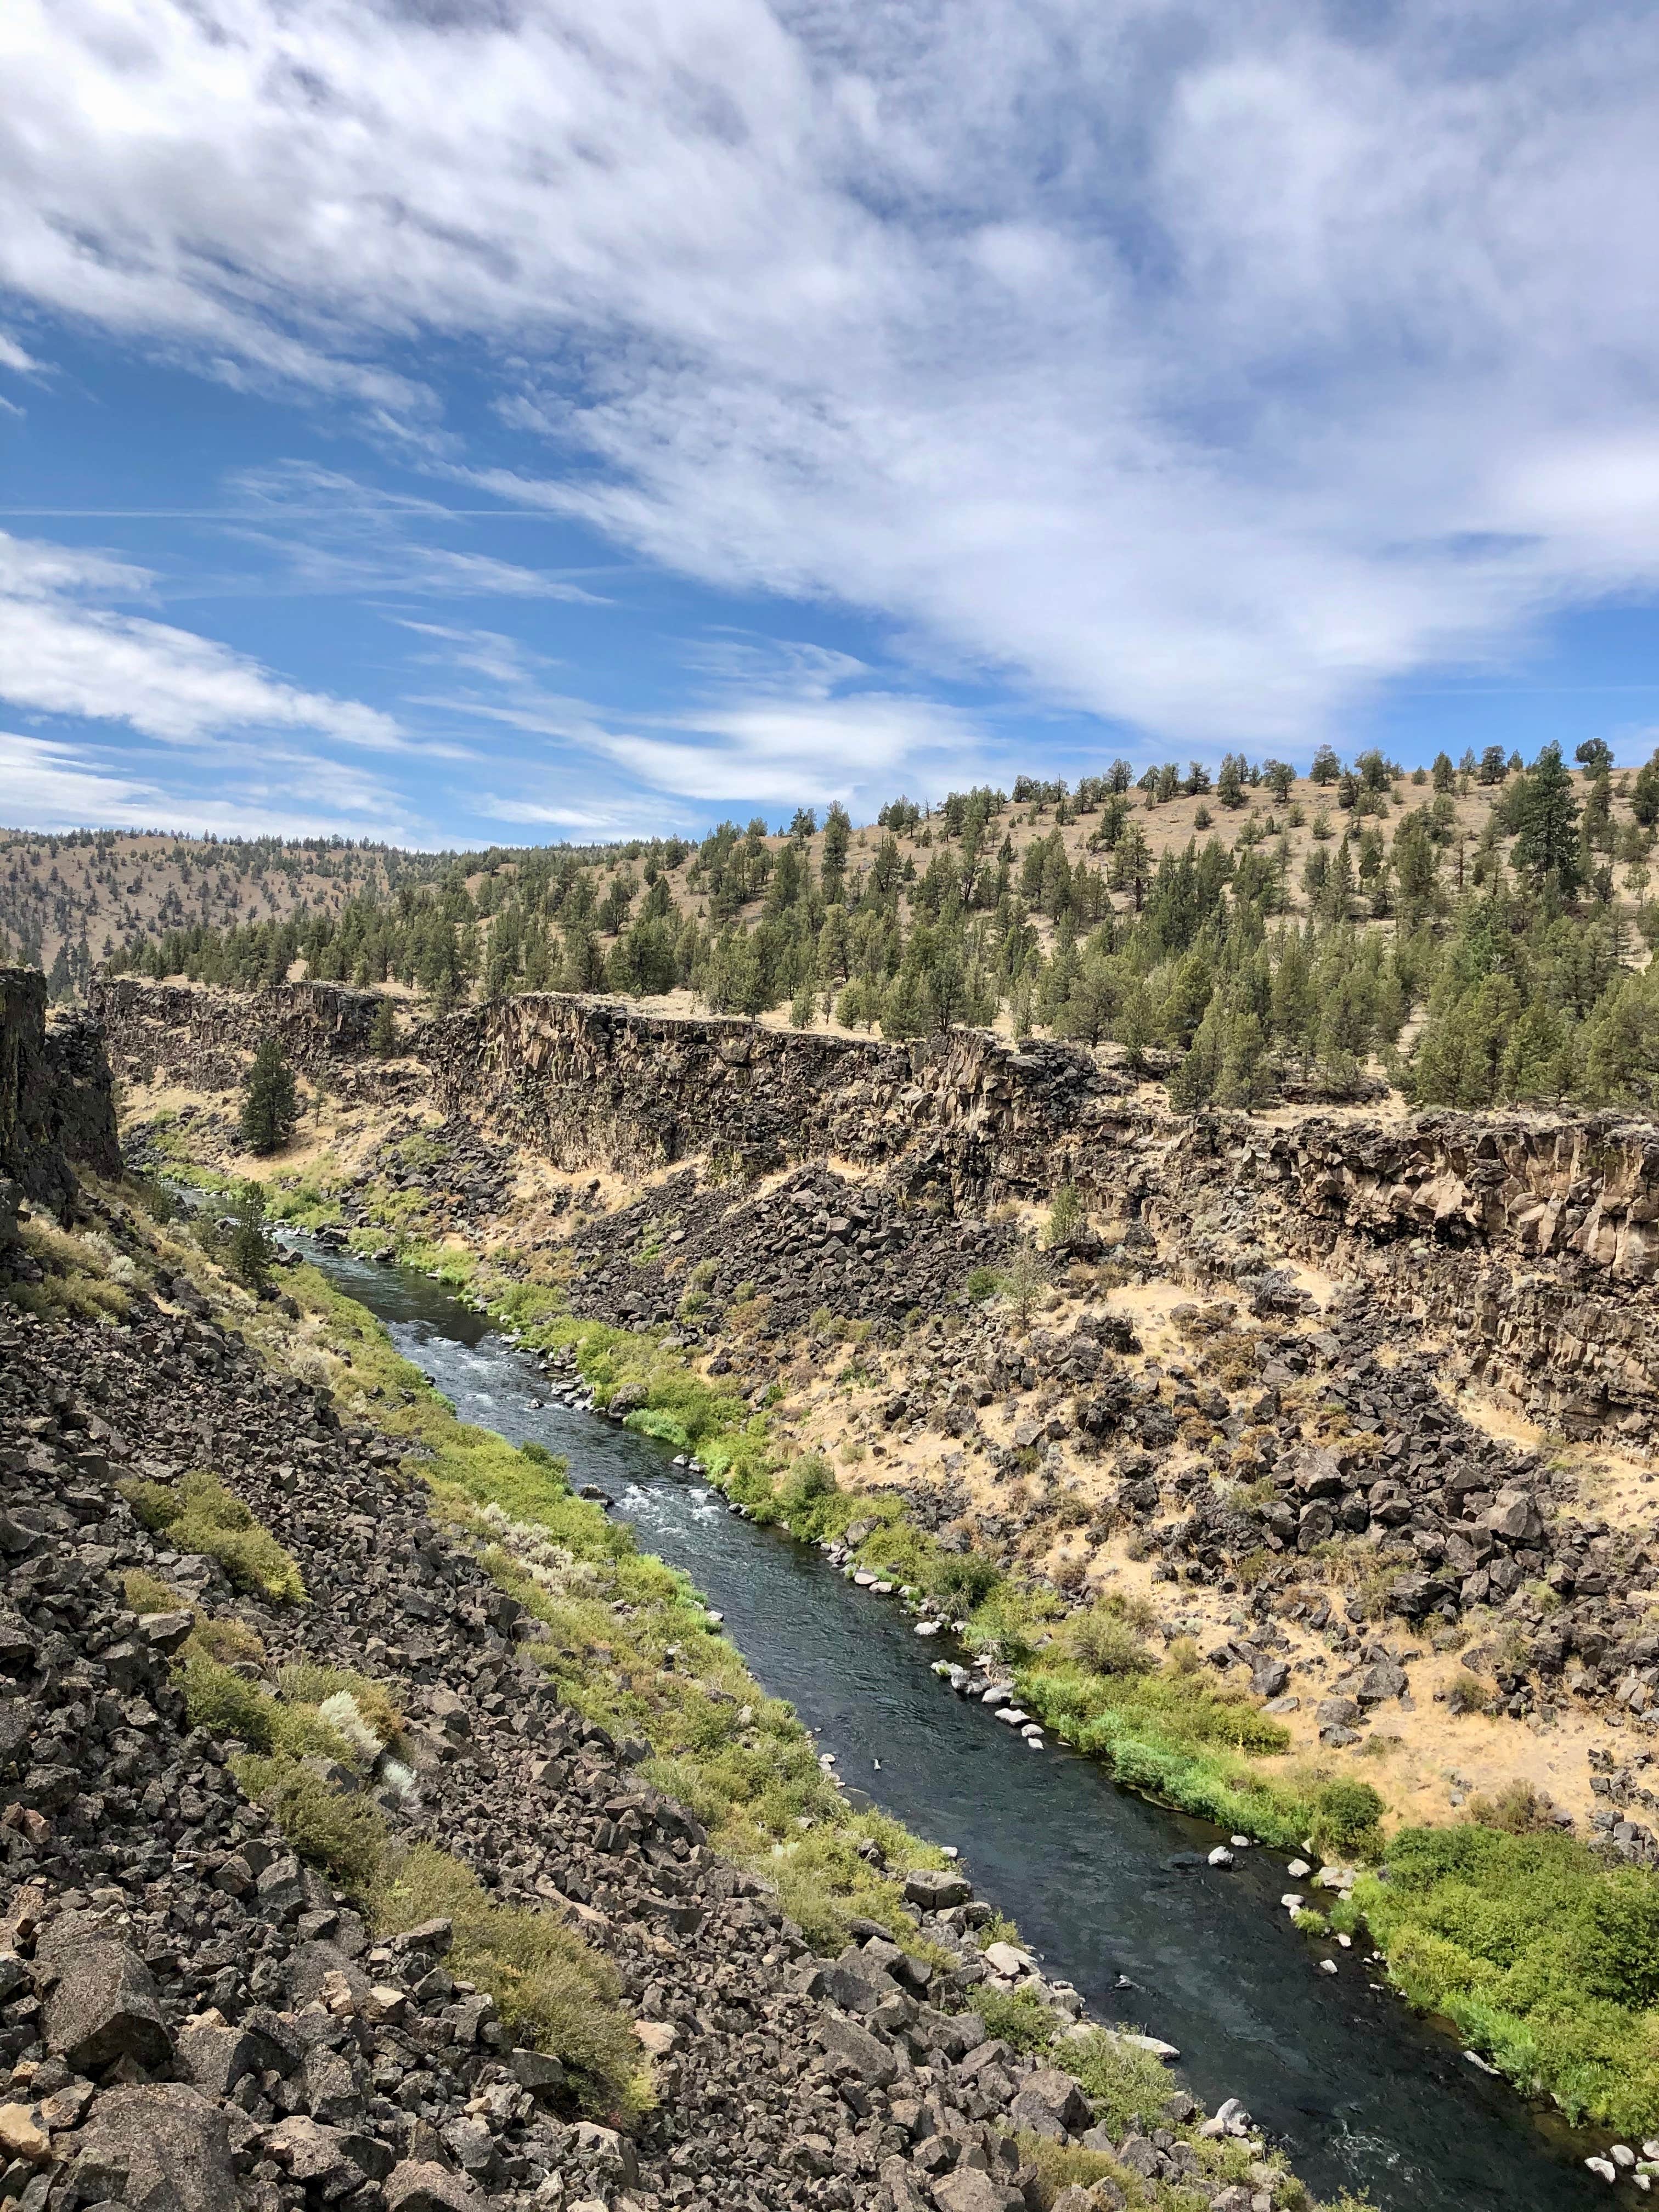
(1239, 1843)
(1005, 1958)
(1221, 1856)
(1604, 2166)
(928, 1628)
(1298, 1870)
(1000, 1693)
(1154, 2044)
(1327, 1965)
(1622, 2154)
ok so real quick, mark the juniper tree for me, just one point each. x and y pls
(270, 1105)
(1547, 843)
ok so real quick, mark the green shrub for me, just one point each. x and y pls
(551, 1987)
(225, 1703)
(1128, 2087)
(1102, 1641)
(307, 1683)
(1346, 1820)
(1018, 2016)
(200, 1515)
(1544, 1956)
(147, 1593)
(1518, 1809)
(1467, 1693)
(983, 1283)
(342, 1833)
(228, 1641)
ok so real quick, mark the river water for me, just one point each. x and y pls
(1105, 1886)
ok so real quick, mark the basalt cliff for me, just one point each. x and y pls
(1530, 1243)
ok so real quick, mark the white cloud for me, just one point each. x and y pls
(781, 723)
(1201, 368)
(12, 356)
(48, 785)
(63, 654)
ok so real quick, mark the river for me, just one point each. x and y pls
(1104, 1885)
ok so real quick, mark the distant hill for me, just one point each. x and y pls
(1472, 933)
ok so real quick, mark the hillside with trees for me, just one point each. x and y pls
(1474, 934)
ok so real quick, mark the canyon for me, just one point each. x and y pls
(1354, 1409)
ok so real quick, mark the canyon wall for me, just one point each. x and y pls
(1530, 1240)
(56, 1102)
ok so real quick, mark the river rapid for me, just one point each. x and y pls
(1112, 1892)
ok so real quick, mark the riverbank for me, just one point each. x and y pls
(652, 1717)
(1559, 2013)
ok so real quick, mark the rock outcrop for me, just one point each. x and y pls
(1531, 1240)
(57, 1106)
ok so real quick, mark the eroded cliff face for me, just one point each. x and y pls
(1531, 1242)
(56, 1102)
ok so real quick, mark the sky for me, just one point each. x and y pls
(469, 422)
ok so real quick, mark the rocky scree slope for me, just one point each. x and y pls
(189, 2006)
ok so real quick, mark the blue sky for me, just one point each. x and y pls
(464, 420)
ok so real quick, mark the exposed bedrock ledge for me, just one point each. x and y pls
(56, 1102)
(1532, 1240)
(590, 1082)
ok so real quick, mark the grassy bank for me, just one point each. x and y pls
(631, 1646)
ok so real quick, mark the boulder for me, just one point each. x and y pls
(216, 2058)
(854, 2046)
(161, 2147)
(1048, 2104)
(420, 2185)
(937, 1892)
(970, 2189)
(104, 2007)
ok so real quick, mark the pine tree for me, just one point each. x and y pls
(249, 1252)
(383, 1033)
(1547, 843)
(270, 1106)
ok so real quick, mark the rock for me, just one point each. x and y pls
(161, 2145)
(1141, 2155)
(104, 2007)
(332, 2161)
(937, 1892)
(22, 2136)
(166, 1631)
(216, 2058)
(423, 2185)
(872, 2061)
(538, 2072)
(1056, 2094)
(969, 2190)
(1005, 1959)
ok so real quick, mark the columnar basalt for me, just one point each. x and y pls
(1533, 1241)
(56, 1102)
